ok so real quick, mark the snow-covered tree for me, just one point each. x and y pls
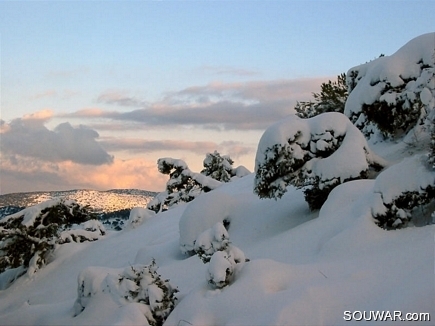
(394, 95)
(315, 154)
(220, 167)
(332, 98)
(432, 146)
(138, 284)
(29, 237)
(405, 193)
(183, 184)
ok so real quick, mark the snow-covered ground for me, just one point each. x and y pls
(304, 268)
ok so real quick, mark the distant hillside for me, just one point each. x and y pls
(99, 201)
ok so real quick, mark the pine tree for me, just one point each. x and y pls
(218, 167)
(183, 184)
(332, 98)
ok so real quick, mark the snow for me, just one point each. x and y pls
(308, 273)
(304, 268)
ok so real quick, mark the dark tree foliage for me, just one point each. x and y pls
(399, 212)
(397, 118)
(20, 243)
(332, 98)
(218, 167)
(400, 105)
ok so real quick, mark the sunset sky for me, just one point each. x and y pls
(94, 92)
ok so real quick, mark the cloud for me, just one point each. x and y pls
(135, 145)
(29, 137)
(41, 116)
(120, 98)
(24, 174)
(222, 106)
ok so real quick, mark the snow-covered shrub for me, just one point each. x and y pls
(211, 240)
(201, 215)
(135, 284)
(224, 265)
(28, 238)
(316, 154)
(405, 192)
(332, 98)
(213, 246)
(183, 184)
(138, 215)
(394, 94)
(221, 167)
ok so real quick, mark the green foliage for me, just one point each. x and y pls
(183, 185)
(332, 98)
(281, 169)
(218, 167)
(395, 117)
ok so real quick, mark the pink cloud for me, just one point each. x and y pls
(43, 115)
(22, 174)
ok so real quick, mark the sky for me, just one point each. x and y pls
(94, 92)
